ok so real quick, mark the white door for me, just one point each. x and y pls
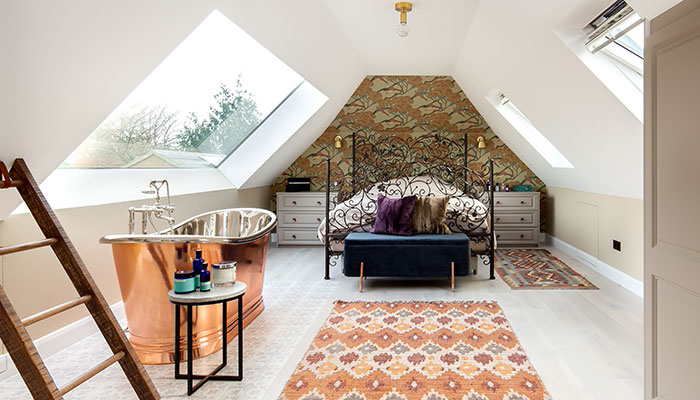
(672, 204)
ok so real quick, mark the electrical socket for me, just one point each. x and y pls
(617, 245)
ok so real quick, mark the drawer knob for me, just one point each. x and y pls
(294, 203)
(522, 236)
(498, 220)
(498, 202)
(522, 201)
(294, 236)
(318, 219)
(318, 203)
(522, 219)
(497, 236)
(294, 220)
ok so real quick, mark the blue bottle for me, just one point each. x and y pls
(197, 265)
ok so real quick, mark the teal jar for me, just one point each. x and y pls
(184, 282)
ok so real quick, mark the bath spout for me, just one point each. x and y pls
(157, 210)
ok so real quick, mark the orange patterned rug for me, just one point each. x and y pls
(415, 350)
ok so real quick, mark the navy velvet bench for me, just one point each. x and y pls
(424, 255)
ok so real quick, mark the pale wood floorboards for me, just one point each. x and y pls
(585, 344)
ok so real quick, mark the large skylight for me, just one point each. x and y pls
(200, 104)
(528, 131)
(618, 33)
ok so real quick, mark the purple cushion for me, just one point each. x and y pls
(394, 215)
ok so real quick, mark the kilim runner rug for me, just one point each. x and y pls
(537, 269)
(415, 350)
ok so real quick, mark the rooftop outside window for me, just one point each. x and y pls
(205, 99)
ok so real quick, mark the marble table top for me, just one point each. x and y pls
(216, 294)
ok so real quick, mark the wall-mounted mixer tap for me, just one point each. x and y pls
(157, 210)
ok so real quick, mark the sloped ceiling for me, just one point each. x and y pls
(523, 58)
(66, 66)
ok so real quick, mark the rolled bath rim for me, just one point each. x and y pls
(167, 237)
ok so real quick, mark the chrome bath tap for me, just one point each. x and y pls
(157, 210)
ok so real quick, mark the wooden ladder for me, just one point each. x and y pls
(13, 329)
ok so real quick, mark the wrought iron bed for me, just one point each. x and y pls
(398, 165)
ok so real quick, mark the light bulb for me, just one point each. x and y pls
(403, 29)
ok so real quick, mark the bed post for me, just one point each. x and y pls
(466, 155)
(491, 211)
(328, 205)
(353, 162)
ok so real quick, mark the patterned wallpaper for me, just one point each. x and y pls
(409, 105)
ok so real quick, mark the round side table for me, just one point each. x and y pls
(217, 295)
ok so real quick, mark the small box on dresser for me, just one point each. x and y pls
(517, 218)
(299, 215)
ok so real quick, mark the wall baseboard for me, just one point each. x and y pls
(633, 285)
(60, 339)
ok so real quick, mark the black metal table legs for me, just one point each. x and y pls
(190, 376)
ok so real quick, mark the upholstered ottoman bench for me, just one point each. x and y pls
(423, 255)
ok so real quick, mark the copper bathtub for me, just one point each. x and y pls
(145, 265)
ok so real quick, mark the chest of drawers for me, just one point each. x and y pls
(299, 215)
(517, 218)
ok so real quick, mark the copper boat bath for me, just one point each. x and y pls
(145, 266)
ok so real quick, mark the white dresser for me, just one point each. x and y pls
(517, 216)
(299, 215)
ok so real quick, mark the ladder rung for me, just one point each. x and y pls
(13, 183)
(55, 310)
(81, 379)
(27, 246)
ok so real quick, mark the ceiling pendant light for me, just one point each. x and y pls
(403, 7)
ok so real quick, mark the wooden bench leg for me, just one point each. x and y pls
(362, 274)
(452, 276)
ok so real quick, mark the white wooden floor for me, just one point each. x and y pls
(585, 344)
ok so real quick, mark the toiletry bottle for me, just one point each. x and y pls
(197, 267)
(205, 281)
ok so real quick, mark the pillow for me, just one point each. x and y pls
(394, 215)
(429, 215)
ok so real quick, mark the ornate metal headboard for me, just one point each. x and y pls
(402, 164)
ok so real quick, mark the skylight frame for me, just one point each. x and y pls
(261, 123)
(529, 131)
(627, 50)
